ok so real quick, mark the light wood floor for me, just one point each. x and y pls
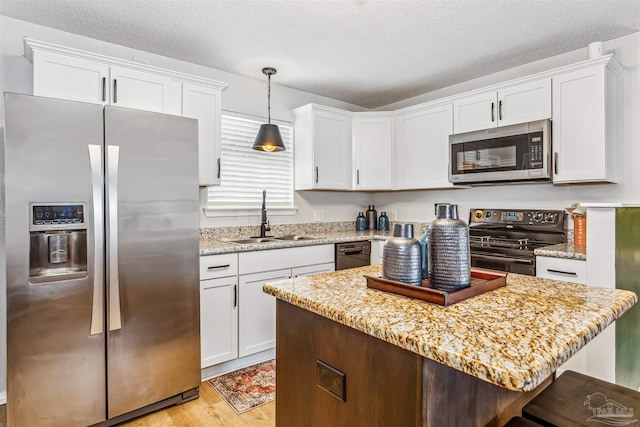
(207, 411)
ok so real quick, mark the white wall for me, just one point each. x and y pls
(419, 205)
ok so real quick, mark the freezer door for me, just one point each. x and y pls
(153, 344)
(55, 333)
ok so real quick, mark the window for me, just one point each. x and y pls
(246, 172)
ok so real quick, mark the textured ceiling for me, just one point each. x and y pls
(369, 53)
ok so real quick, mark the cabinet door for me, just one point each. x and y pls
(372, 153)
(145, 91)
(257, 315)
(422, 148)
(475, 112)
(218, 320)
(579, 134)
(525, 103)
(332, 150)
(309, 270)
(377, 247)
(65, 77)
(204, 104)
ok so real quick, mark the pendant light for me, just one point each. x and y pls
(269, 138)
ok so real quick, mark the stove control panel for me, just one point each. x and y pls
(509, 217)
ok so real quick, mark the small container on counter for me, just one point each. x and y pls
(372, 218)
(383, 221)
(361, 222)
(424, 248)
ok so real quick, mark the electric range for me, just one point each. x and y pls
(504, 239)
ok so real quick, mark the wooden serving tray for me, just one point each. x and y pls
(482, 280)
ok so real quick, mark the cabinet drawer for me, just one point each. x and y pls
(214, 266)
(274, 259)
(567, 270)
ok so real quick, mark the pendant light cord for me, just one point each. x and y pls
(269, 100)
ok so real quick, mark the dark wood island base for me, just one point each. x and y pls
(374, 383)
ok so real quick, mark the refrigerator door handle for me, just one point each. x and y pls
(115, 317)
(97, 311)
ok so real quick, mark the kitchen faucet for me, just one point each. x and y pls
(264, 226)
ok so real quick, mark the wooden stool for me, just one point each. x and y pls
(574, 399)
(521, 422)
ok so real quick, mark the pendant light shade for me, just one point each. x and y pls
(268, 138)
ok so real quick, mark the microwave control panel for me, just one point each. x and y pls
(535, 150)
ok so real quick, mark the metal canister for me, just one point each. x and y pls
(449, 257)
(401, 256)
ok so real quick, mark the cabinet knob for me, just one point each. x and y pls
(317, 174)
(493, 106)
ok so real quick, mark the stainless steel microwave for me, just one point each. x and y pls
(506, 154)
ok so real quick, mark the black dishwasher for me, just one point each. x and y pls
(353, 254)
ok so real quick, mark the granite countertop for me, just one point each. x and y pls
(563, 250)
(514, 337)
(212, 246)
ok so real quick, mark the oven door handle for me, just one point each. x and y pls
(501, 259)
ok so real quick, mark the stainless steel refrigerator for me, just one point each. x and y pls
(101, 242)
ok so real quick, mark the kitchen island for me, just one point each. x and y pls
(349, 355)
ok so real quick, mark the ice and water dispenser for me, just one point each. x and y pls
(58, 242)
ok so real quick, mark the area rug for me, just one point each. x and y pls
(247, 388)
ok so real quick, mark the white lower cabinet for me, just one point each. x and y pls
(257, 316)
(310, 270)
(218, 320)
(218, 308)
(586, 360)
(237, 318)
(567, 270)
(377, 247)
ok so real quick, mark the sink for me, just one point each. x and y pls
(295, 237)
(269, 239)
(250, 240)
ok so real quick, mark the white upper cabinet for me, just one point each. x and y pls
(584, 123)
(322, 148)
(205, 104)
(60, 72)
(70, 74)
(144, 91)
(66, 77)
(421, 147)
(372, 151)
(510, 105)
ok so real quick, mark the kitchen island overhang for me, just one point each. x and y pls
(514, 337)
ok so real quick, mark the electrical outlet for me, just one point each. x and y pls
(317, 215)
(393, 215)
